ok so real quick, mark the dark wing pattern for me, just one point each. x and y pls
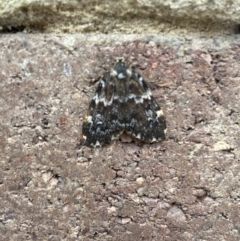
(123, 102)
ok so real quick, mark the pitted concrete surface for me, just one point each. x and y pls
(53, 188)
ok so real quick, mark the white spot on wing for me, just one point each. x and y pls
(139, 100)
(121, 76)
(89, 118)
(105, 102)
(97, 144)
(96, 98)
(146, 95)
(113, 72)
(160, 113)
(132, 96)
(99, 119)
(138, 136)
(102, 83)
(154, 139)
(149, 113)
(129, 72)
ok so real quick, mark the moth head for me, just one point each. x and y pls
(120, 60)
(120, 69)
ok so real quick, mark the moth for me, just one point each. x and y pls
(123, 102)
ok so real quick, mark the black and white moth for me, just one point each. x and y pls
(123, 102)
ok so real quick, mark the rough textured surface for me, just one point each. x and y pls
(108, 16)
(185, 188)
